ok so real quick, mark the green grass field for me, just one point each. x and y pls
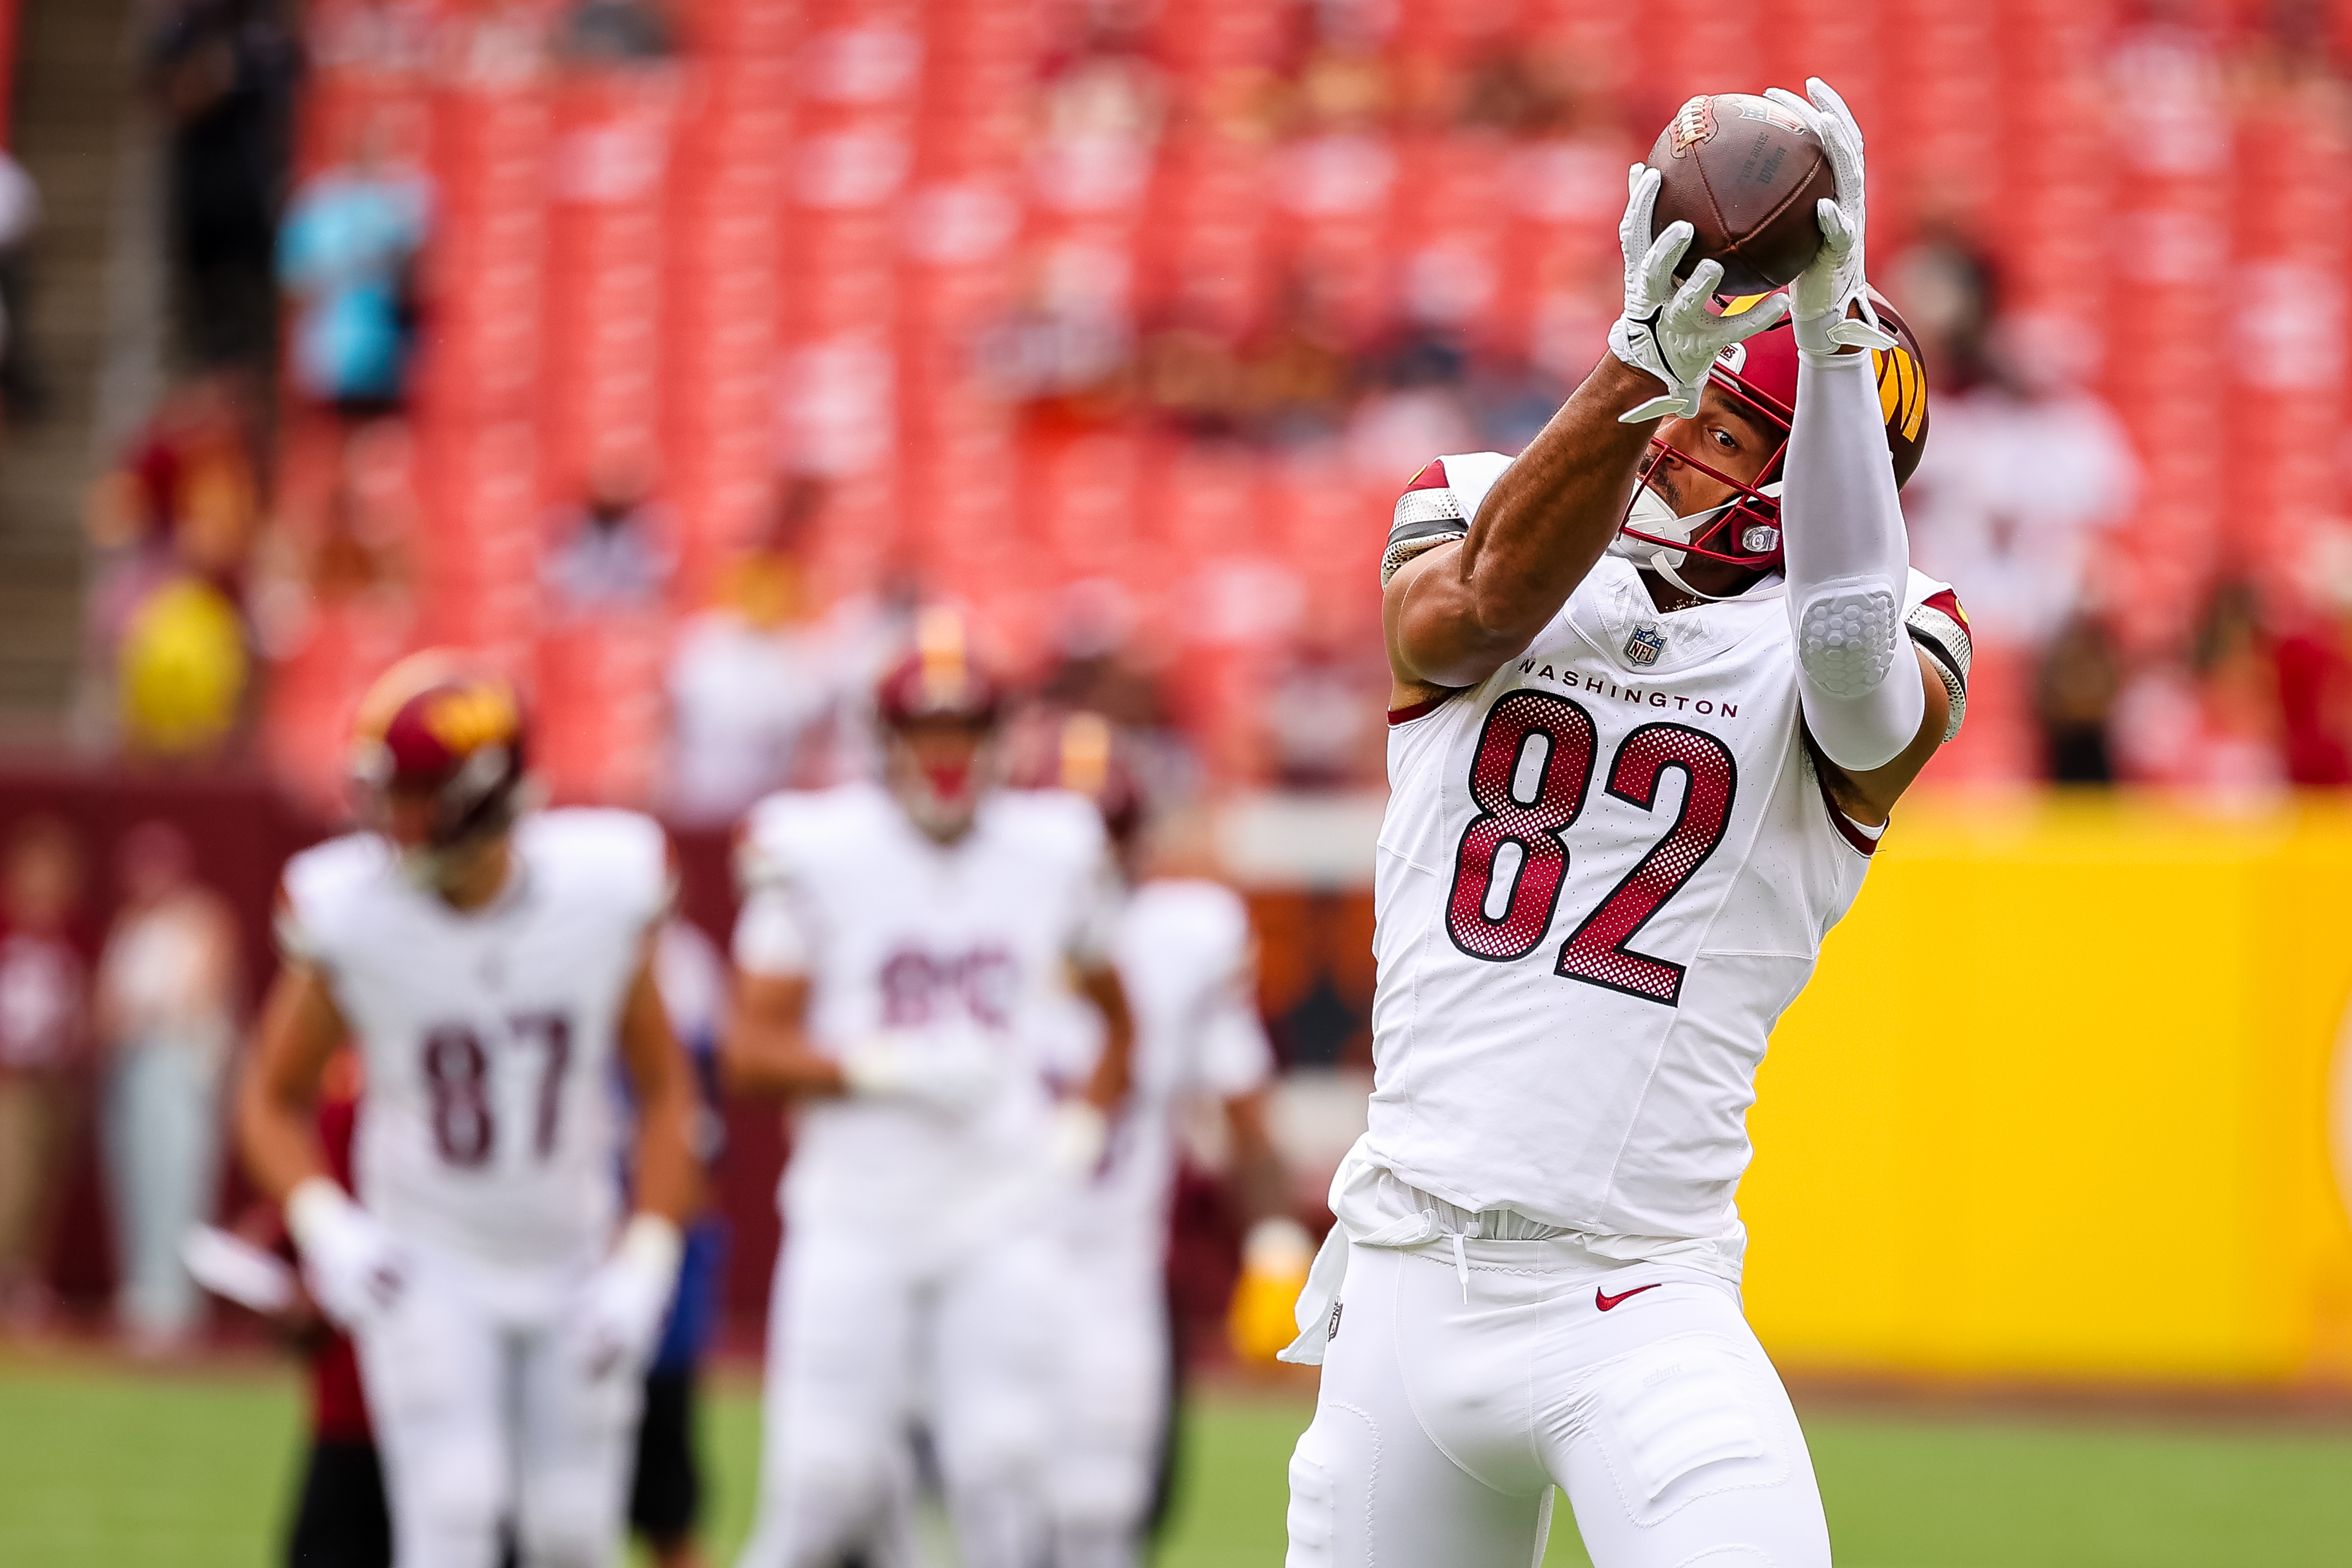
(103, 1465)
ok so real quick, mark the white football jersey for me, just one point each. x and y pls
(488, 1127)
(897, 931)
(1604, 874)
(1185, 958)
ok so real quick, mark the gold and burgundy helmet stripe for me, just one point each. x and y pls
(942, 676)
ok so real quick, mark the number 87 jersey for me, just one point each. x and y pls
(1604, 874)
(488, 1127)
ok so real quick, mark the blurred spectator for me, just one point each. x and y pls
(2081, 676)
(224, 71)
(752, 678)
(1322, 718)
(20, 215)
(1418, 411)
(187, 498)
(354, 560)
(165, 1013)
(42, 986)
(349, 262)
(175, 527)
(181, 671)
(613, 32)
(2215, 723)
(1946, 286)
(611, 552)
(2021, 475)
(2314, 665)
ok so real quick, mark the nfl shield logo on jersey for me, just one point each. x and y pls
(1645, 645)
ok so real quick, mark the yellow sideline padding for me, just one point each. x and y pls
(2056, 1105)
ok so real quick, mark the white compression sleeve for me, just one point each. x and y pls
(1848, 561)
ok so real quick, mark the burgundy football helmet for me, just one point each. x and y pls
(940, 678)
(1759, 376)
(938, 685)
(441, 727)
(1082, 753)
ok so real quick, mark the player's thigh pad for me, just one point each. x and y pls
(992, 1368)
(1674, 1438)
(1112, 1393)
(576, 1437)
(992, 1360)
(841, 1350)
(434, 1371)
(1371, 1483)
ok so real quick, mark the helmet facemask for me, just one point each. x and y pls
(940, 770)
(1743, 531)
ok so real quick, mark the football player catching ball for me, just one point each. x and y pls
(1658, 682)
(492, 964)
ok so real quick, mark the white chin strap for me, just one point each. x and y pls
(1652, 515)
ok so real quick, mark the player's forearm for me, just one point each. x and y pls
(1538, 532)
(1848, 564)
(1261, 1184)
(669, 1178)
(775, 1064)
(275, 1138)
(1114, 1068)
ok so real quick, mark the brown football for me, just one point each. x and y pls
(1747, 176)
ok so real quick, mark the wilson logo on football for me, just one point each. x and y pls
(1694, 123)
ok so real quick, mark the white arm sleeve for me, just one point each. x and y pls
(1848, 563)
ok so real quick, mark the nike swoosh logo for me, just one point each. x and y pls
(1604, 1301)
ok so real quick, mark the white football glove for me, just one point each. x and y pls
(1835, 278)
(1665, 330)
(625, 1300)
(355, 1269)
(953, 1070)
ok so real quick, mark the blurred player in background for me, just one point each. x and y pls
(492, 964)
(902, 949)
(1185, 955)
(1640, 757)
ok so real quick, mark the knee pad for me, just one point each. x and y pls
(1846, 637)
(1680, 1420)
(1314, 1506)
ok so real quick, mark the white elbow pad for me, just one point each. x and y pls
(1847, 634)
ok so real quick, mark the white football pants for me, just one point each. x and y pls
(1111, 1402)
(485, 1411)
(1444, 1422)
(868, 1332)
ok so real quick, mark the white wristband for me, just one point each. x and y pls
(652, 1243)
(314, 1208)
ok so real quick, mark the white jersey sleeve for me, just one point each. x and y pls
(1234, 1055)
(772, 929)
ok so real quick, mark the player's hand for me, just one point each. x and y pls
(622, 1308)
(1668, 329)
(355, 1269)
(948, 1069)
(1835, 280)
